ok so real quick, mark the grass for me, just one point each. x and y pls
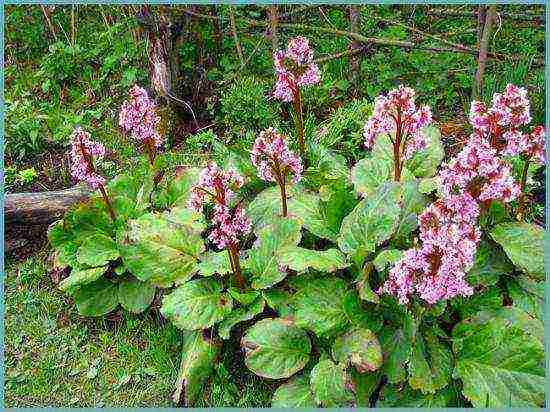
(54, 357)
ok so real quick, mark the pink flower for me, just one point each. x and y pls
(294, 68)
(138, 117)
(479, 171)
(273, 159)
(437, 270)
(397, 111)
(83, 152)
(530, 145)
(217, 185)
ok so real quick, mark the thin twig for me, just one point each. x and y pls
(483, 48)
(234, 33)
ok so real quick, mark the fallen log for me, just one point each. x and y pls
(42, 207)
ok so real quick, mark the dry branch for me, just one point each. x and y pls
(483, 47)
(42, 207)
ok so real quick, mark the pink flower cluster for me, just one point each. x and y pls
(273, 159)
(138, 117)
(397, 114)
(478, 170)
(437, 270)
(500, 124)
(294, 68)
(83, 152)
(217, 185)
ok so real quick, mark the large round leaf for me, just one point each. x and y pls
(528, 295)
(276, 348)
(97, 298)
(489, 264)
(215, 262)
(500, 359)
(263, 261)
(300, 259)
(163, 249)
(430, 363)
(424, 163)
(370, 173)
(331, 385)
(523, 243)
(81, 277)
(197, 304)
(240, 315)
(319, 306)
(97, 250)
(372, 222)
(198, 357)
(296, 393)
(359, 347)
(134, 295)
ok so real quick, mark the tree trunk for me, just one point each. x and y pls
(481, 16)
(42, 207)
(483, 48)
(273, 22)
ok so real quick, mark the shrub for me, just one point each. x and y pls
(391, 275)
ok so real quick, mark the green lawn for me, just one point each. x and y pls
(54, 357)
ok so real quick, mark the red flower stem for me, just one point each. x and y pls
(90, 162)
(107, 202)
(298, 109)
(234, 256)
(397, 148)
(523, 183)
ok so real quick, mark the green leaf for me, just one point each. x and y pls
(428, 185)
(215, 262)
(97, 250)
(296, 393)
(489, 264)
(396, 346)
(336, 203)
(319, 306)
(413, 203)
(175, 191)
(279, 301)
(331, 385)
(429, 364)
(163, 249)
(303, 205)
(97, 298)
(300, 259)
(198, 358)
(523, 243)
(365, 384)
(135, 296)
(387, 258)
(372, 222)
(484, 300)
(528, 295)
(360, 348)
(500, 359)
(395, 396)
(81, 277)
(360, 315)
(370, 173)
(198, 304)
(240, 315)
(424, 163)
(276, 348)
(263, 261)
(363, 286)
(244, 298)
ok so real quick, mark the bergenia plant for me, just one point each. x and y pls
(138, 117)
(230, 223)
(276, 162)
(83, 152)
(500, 126)
(295, 68)
(397, 115)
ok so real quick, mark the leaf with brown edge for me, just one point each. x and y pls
(275, 348)
(198, 358)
